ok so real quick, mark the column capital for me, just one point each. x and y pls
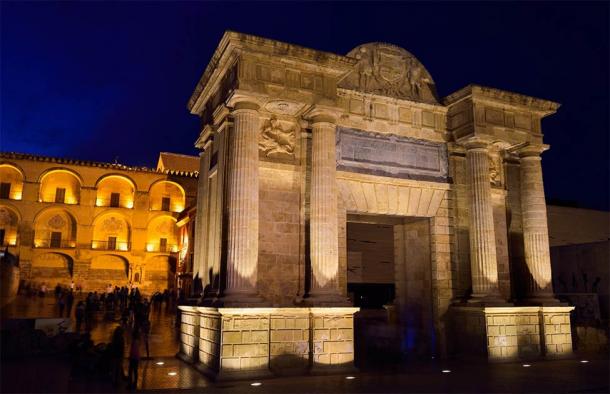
(475, 143)
(532, 150)
(321, 114)
(205, 137)
(240, 101)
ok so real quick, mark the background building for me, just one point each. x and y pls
(94, 223)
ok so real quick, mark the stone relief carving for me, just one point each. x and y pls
(56, 222)
(391, 71)
(6, 218)
(275, 141)
(112, 225)
(495, 171)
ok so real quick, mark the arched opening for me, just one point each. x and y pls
(161, 235)
(60, 186)
(108, 269)
(9, 226)
(11, 182)
(54, 228)
(111, 231)
(166, 196)
(115, 191)
(52, 268)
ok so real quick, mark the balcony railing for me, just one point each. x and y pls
(53, 243)
(110, 245)
(123, 202)
(163, 248)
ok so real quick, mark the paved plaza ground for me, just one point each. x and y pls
(164, 373)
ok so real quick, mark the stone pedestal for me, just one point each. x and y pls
(512, 333)
(241, 343)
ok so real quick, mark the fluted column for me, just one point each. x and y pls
(535, 228)
(242, 207)
(483, 261)
(324, 235)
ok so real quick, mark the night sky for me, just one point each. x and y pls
(97, 81)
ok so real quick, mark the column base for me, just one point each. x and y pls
(326, 300)
(487, 301)
(240, 300)
(543, 301)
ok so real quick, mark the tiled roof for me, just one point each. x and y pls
(115, 166)
(178, 162)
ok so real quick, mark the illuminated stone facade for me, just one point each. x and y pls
(297, 143)
(92, 223)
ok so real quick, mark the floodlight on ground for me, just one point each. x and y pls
(446, 371)
(255, 384)
(526, 365)
(584, 361)
(350, 377)
(172, 373)
(159, 363)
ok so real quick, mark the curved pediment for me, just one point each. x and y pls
(388, 70)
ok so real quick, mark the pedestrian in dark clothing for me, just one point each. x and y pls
(69, 302)
(61, 303)
(146, 334)
(134, 360)
(117, 350)
(79, 314)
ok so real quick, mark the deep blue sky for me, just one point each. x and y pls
(99, 80)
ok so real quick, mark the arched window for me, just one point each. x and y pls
(11, 182)
(60, 186)
(111, 231)
(161, 235)
(115, 191)
(166, 196)
(9, 226)
(54, 228)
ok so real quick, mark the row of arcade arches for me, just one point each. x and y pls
(62, 185)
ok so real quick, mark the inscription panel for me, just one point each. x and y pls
(390, 155)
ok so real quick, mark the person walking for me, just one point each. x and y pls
(61, 303)
(117, 350)
(69, 302)
(134, 360)
(146, 335)
(79, 313)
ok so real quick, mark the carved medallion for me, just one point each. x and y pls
(112, 225)
(389, 70)
(276, 141)
(56, 222)
(6, 219)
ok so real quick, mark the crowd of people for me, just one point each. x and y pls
(124, 305)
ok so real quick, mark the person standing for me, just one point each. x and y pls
(61, 302)
(117, 350)
(134, 360)
(69, 302)
(79, 314)
(146, 334)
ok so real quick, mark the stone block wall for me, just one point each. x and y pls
(233, 343)
(279, 234)
(189, 333)
(510, 333)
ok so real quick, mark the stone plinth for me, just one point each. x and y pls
(189, 333)
(512, 333)
(241, 343)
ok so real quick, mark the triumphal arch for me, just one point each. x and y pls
(299, 144)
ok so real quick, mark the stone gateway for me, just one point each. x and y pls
(324, 177)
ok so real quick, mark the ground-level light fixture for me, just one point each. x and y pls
(446, 371)
(159, 363)
(172, 373)
(526, 365)
(255, 384)
(584, 361)
(350, 377)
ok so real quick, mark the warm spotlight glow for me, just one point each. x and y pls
(584, 361)
(255, 384)
(159, 363)
(446, 371)
(17, 195)
(123, 246)
(350, 377)
(150, 247)
(172, 373)
(129, 204)
(12, 241)
(99, 202)
(174, 248)
(526, 365)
